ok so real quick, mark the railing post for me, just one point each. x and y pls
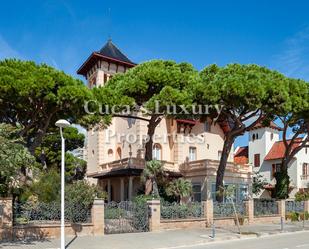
(97, 217)
(154, 209)
(249, 204)
(281, 208)
(6, 218)
(209, 212)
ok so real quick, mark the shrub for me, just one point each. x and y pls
(293, 216)
(303, 216)
(302, 196)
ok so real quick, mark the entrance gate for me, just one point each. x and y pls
(126, 217)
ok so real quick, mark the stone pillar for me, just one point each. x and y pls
(121, 189)
(130, 187)
(6, 218)
(208, 212)
(109, 198)
(281, 208)
(249, 204)
(306, 206)
(154, 215)
(97, 214)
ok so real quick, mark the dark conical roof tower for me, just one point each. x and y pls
(109, 53)
(110, 50)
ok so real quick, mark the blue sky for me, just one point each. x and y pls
(64, 33)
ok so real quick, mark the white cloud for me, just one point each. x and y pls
(6, 51)
(293, 61)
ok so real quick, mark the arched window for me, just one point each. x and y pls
(156, 152)
(253, 137)
(110, 152)
(118, 153)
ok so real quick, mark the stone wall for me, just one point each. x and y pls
(182, 224)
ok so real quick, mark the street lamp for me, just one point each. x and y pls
(62, 123)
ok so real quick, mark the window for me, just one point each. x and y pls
(118, 153)
(192, 153)
(196, 192)
(276, 167)
(156, 152)
(305, 169)
(257, 160)
(243, 192)
(253, 137)
(207, 126)
(257, 136)
(110, 152)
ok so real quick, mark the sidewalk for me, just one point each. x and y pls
(151, 240)
(159, 240)
(268, 229)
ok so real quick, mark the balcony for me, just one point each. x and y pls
(304, 177)
(211, 166)
(133, 163)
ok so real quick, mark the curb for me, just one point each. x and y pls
(231, 238)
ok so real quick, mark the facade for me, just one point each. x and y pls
(265, 152)
(187, 148)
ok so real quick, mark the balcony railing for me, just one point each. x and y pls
(212, 165)
(304, 177)
(136, 163)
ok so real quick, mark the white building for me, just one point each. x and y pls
(265, 152)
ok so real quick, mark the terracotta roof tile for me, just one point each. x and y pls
(241, 156)
(278, 149)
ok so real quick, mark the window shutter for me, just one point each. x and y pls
(257, 160)
(273, 170)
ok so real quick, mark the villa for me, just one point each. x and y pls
(265, 152)
(116, 164)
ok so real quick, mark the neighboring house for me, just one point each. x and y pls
(80, 153)
(116, 164)
(265, 153)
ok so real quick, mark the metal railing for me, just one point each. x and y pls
(34, 213)
(226, 210)
(175, 211)
(265, 207)
(294, 206)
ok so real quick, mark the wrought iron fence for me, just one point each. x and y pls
(126, 217)
(264, 207)
(294, 206)
(176, 211)
(226, 209)
(29, 212)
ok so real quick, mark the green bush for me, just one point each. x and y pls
(293, 216)
(302, 196)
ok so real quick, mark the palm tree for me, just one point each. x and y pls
(180, 188)
(151, 173)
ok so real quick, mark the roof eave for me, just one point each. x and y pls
(82, 68)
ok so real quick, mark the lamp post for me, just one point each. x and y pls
(62, 124)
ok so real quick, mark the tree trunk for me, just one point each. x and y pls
(221, 169)
(153, 123)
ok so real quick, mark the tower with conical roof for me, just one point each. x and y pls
(103, 64)
(99, 67)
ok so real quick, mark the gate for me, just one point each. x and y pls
(125, 217)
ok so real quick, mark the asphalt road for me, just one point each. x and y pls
(298, 240)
